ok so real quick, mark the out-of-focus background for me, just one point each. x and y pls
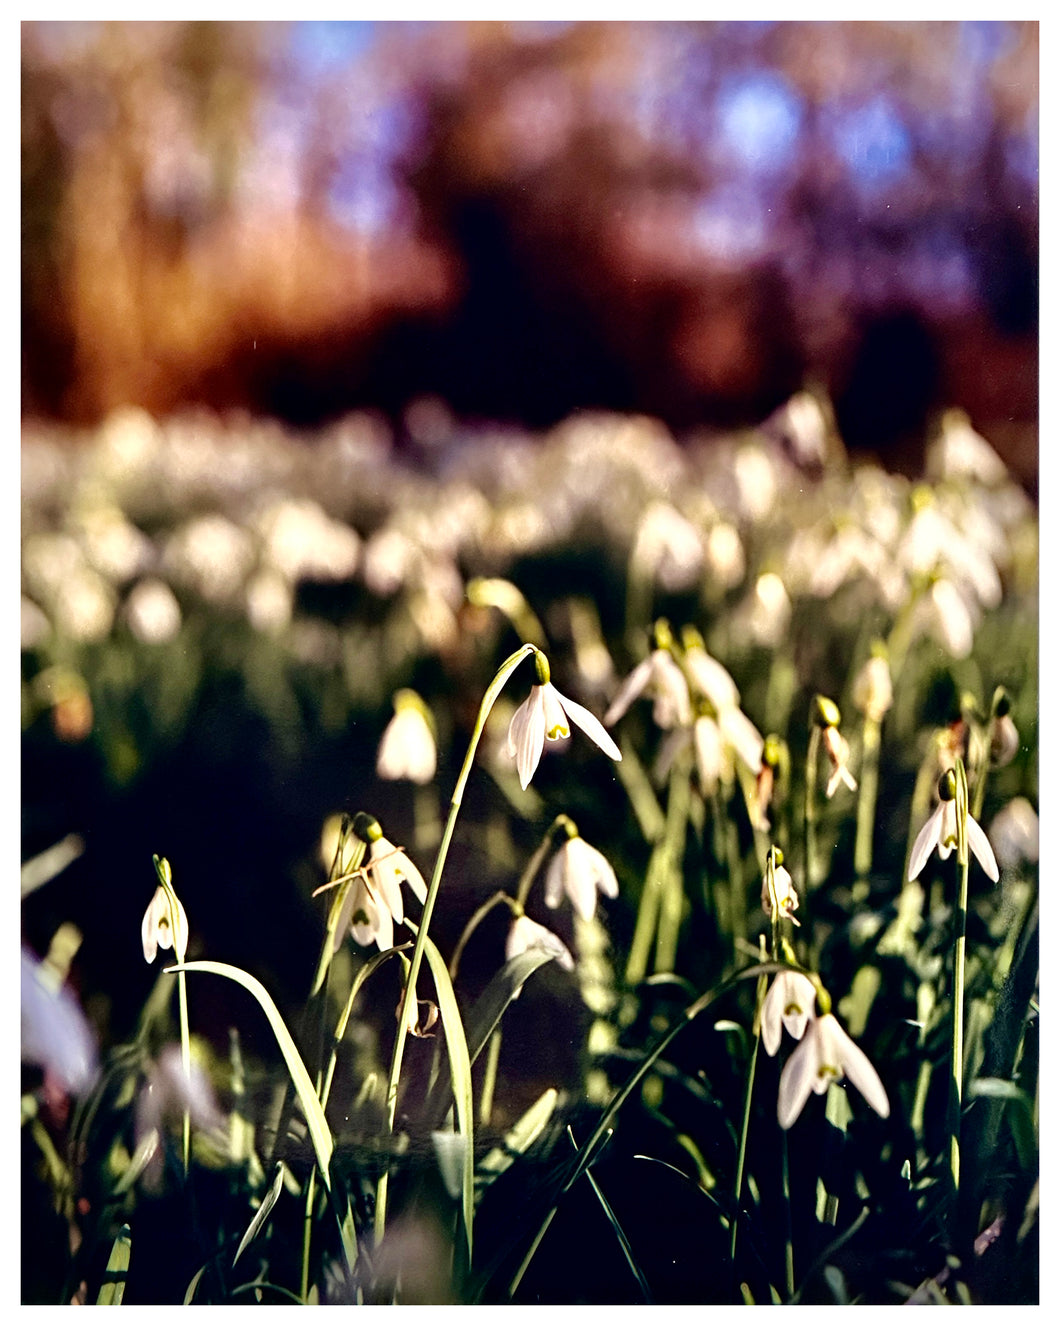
(322, 320)
(511, 221)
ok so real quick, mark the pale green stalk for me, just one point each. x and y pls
(489, 1080)
(789, 1250)
(959, 925)
(165, 878)
(488, 701)
(868, 784)
(742, 1153)
(672, 894)
(809, 805)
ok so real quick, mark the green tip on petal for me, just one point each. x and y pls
(367, 827)
(691, 638)
(664, 637)
(827, 711)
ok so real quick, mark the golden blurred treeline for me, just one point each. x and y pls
(691, 220)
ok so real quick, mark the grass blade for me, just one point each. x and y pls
(262, 1213)
(460, 1071)
(113, 1288)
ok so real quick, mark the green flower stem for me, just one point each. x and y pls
(185, 1060)
(489, 699)
(165, 878)
(647, 917)
(672, 892)
(633, 777)
(960, 919)
(867, 787)
(535, 863)
(742, 1153)
(480, 914)
(489, 1081)
(809, 805)
(307, 1231)
(737, 901)
(789, 1250)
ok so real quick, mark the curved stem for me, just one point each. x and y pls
(868, 783)
(489, 699)
(809, 808)
(960, 918)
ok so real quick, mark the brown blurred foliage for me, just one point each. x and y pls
(549, 253)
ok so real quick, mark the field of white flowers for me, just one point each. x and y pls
(573, 869)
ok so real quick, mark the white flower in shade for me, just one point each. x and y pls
(789, 1003)
(1015, 833)
(578, 870)
(160, 929)
(544, 714)
(153, 612)
(824, 1055)
(659, 677)
(941, 831)
(838, 753)
(387, 867)
(709, 677)
(873, 693)
(526, 934)
(407, 749)
(369, 918)
(668, 546)
(787, 900)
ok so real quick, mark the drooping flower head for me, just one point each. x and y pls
(407, 749)
(789, 1004)
(578, 870)
(826, 716)
(544, 714)
(941, 831)
(165, 923)
(526, 934)
(873, 691)
(659, 677)
(778, 889)
(826, 1054)
(374, 900)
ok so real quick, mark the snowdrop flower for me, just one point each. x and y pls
(578, 870)
(388, 867)
(824, 1055)
(789, 1003)
(838, 752)
(370, 921)
(782, 896)
(1004, 735)
(659, 677)
(526, 934)
(668, 547)
(961, 452)
(544, 714)
(873, 692)
(941, 831)
(709, 677)
(407, 749)
(1015, 832)
(161, 929)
